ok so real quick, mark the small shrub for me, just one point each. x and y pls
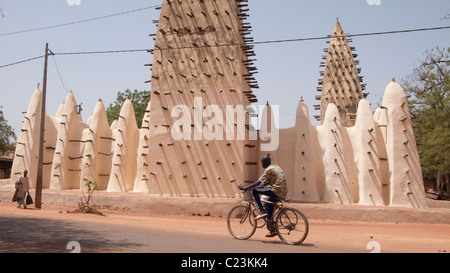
(85, 206)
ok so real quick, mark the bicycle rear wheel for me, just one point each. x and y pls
(292, 226)
(241, 222)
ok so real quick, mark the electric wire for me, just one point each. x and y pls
(79, 21)
(23, 61)
(262, 42)
(239, 44)
(57, 71)
(104, 52)
(349, 35)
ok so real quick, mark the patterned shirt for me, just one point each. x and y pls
(274, 177)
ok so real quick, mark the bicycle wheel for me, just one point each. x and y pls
(292, 226)
(241, 222)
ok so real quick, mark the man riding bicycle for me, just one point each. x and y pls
(272, 184)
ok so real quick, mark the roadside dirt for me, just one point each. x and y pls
(329, 234)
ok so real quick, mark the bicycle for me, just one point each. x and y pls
(290, 224)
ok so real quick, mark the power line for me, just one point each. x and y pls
(61, 79)
(349, 36)
(78, 22)
(399, 31)
(23, 61)
(243, 44)
(260, 43)
(104, 52)
(80, 53)
(57, 71)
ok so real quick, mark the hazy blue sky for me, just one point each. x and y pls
(286, 71)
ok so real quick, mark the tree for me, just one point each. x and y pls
(7, 135)
(139, 99)
(429, 87)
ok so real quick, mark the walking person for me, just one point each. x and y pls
(23, 188)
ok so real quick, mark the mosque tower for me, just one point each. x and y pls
(201, 59)
(341, 83)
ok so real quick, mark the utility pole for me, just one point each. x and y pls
(38, 197)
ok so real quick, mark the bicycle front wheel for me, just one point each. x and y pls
(292, 226)
(241, 222)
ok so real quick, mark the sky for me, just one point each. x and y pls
(287, 71)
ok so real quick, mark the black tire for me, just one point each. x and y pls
(241, 222)
(292, 226)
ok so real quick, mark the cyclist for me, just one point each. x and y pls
(272, 184)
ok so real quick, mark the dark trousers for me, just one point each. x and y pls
(261, 190)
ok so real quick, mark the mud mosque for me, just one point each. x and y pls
(204, 56)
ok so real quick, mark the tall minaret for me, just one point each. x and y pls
(202, 69)
(341, 83)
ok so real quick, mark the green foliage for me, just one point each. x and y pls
(7, 135)
(429, 87)
(139, 99)
(85, 206)
(91, 187)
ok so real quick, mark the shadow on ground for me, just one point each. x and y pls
(36, 235)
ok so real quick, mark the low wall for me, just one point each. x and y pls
(219, 207)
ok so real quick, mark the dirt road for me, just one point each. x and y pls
(52, 228)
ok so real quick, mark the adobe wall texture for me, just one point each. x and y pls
(375, 162)
(197, 139)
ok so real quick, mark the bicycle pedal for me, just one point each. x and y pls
(259, 217)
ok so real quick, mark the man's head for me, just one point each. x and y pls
(266, 161)
(25, 173)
